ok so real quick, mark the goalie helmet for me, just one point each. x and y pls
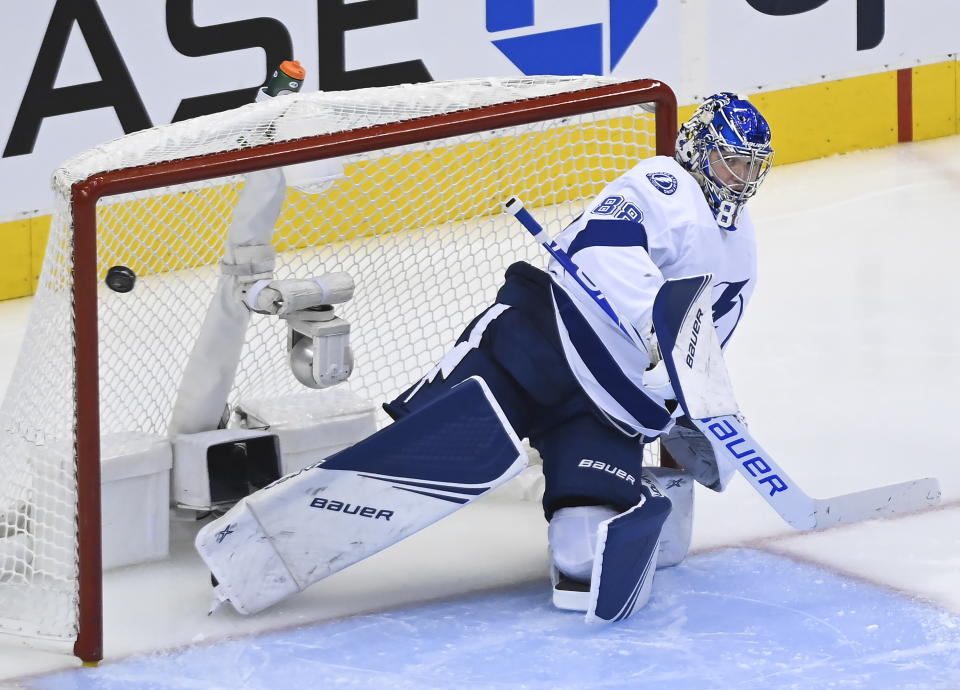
(725, 145)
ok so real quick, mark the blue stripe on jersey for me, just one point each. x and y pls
(605, 368)
(609, 233)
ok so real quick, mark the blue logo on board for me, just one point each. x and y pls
(663, 181)
(570, 51)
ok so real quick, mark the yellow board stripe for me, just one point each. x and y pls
(936, 89)
(15, 257)
(831, 117)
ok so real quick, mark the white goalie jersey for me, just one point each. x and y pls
(651, 224)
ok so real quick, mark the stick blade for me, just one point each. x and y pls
(883, 501)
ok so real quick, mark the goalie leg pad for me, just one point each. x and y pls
(677, 531)
(573, 538)
(318, 521)
(604, 561)
(572, 535)
(626, 558)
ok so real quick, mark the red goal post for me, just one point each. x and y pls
(604, 99)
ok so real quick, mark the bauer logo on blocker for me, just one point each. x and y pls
(532, 42)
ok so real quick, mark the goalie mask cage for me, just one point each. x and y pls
(412, 213)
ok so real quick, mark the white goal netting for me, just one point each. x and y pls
(418, 226)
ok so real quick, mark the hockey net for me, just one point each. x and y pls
(412, 213)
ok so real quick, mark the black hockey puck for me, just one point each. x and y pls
(120, 279)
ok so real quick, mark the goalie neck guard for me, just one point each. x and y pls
(725, 145)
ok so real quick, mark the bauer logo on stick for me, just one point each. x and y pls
(755, 466)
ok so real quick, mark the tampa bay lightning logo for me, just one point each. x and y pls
(730, 301)
(573, 50)
(663, 181)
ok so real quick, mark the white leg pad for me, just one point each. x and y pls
(572, 535)
(311, 524)
(678, 529)
(626, 559)
(259, 572)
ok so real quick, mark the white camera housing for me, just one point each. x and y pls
(287, 298)
(318, 346)
(318, 341)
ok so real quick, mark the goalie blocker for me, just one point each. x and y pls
(693, 358)
(311, 524)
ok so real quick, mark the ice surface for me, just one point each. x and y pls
(735, 618)
(847, 365)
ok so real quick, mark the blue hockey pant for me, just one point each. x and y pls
(515, 348)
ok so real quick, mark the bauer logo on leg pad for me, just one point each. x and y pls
(609, 469)
(350, 509)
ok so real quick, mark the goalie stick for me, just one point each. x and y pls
(729, 437)
(514, 207)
